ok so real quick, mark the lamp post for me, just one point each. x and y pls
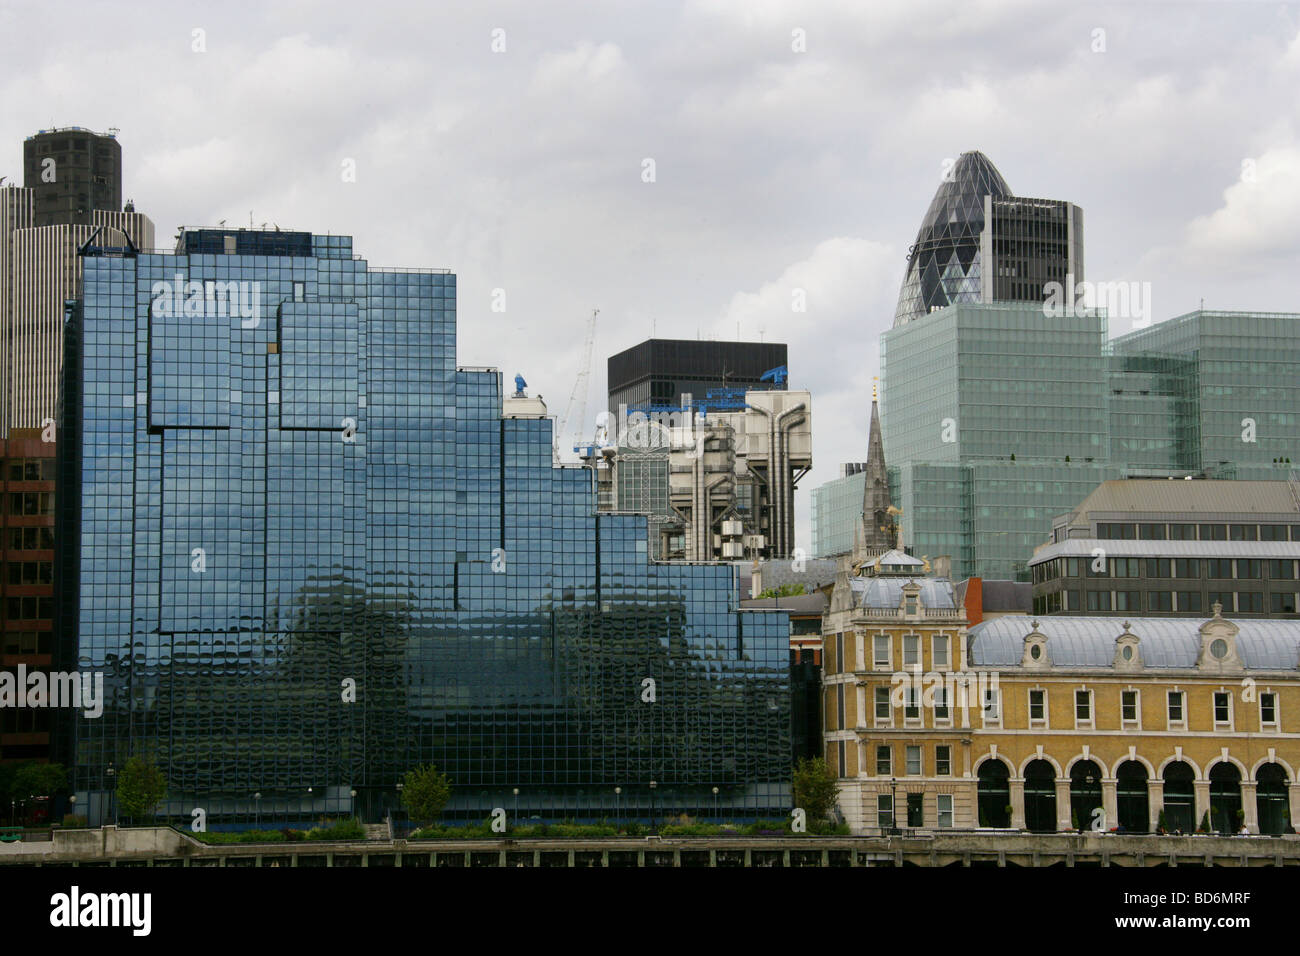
(715, 802)
(72, 805)
(257, 808)
(893, 804)
(653, 816)
(352, 806)
(618, 805)
(112, 791)
(516, 793)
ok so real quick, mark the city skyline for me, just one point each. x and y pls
(793, 150)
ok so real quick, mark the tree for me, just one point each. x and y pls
(141, 786)
(815, 788)
(785, 590)
(425, 793)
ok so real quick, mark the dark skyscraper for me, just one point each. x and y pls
(661, 371)
(72, 172)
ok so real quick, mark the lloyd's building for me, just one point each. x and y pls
(309, 553)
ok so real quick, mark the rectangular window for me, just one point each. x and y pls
(839, 654)
(844, 767)
(1189, 600)
(1249, 569)
(1222, 707)
(1242, 532)
(884, 761)
(1250, 602)
(913, 761)
(1175, 707)
(1157, 567)
(1282, 570)
(943, 760)
(885, 811)
(1151, 532)
(941, 703)
(880, 656)
(1224, 599)
(1272, 532)
(992, 705)
(1038, 705)
(1160, 600)
(839, 706)
(1082, 706)
(1099, 601)
(882, 705)
(1220, 568)
(299, 291)
(1187, 568)
(1128, 705)
(1268, 708)
(1282, 602)
(1214, 532)
(911, 650)
(912, 703)
(944, 803)
(939, 651)
(1182, 532)
(1128, 600)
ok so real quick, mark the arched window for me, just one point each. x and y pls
(1180, 799)
(1131, 797)
(1040, 797)
(994, 794)
(1226, 813)
(1271, 804)
(1085, 795)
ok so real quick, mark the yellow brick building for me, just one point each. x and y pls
(1053, 724)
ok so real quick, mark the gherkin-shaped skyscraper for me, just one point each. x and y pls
(944, 265)
(979, 243)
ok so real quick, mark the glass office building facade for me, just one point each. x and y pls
(835, 512)
(309, 554)
(998, 418)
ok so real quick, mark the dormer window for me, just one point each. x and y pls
(911, 605)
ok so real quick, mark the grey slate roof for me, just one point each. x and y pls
(1164, 642)
(888, 592)
(1188, 499)
(1120, 548)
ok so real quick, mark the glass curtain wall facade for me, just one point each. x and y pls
(1221, 394)
(997, 418)
(309, 554)
(836, 510)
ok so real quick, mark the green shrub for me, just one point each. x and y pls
(73, 820)
(350, 829)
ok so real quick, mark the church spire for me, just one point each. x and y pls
(877, 521)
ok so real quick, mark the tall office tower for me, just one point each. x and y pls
(72, 172)
(663, 371)
(309, 553)
(979, 243)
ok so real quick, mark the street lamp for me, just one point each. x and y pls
(516, 793)
(715, 802)
(72, 805)
(653, 819)
(893, 804)
(112, 791)
(618, 804)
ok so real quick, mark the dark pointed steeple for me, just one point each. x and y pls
(875, 535)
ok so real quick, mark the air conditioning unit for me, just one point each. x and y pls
(733, 528)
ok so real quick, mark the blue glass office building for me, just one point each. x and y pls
(309, 553)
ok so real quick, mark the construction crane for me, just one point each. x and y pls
(578, 398)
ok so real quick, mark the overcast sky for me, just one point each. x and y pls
(795, 145)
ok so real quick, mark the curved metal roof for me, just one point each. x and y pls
(888, 592)
(1165, 642)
